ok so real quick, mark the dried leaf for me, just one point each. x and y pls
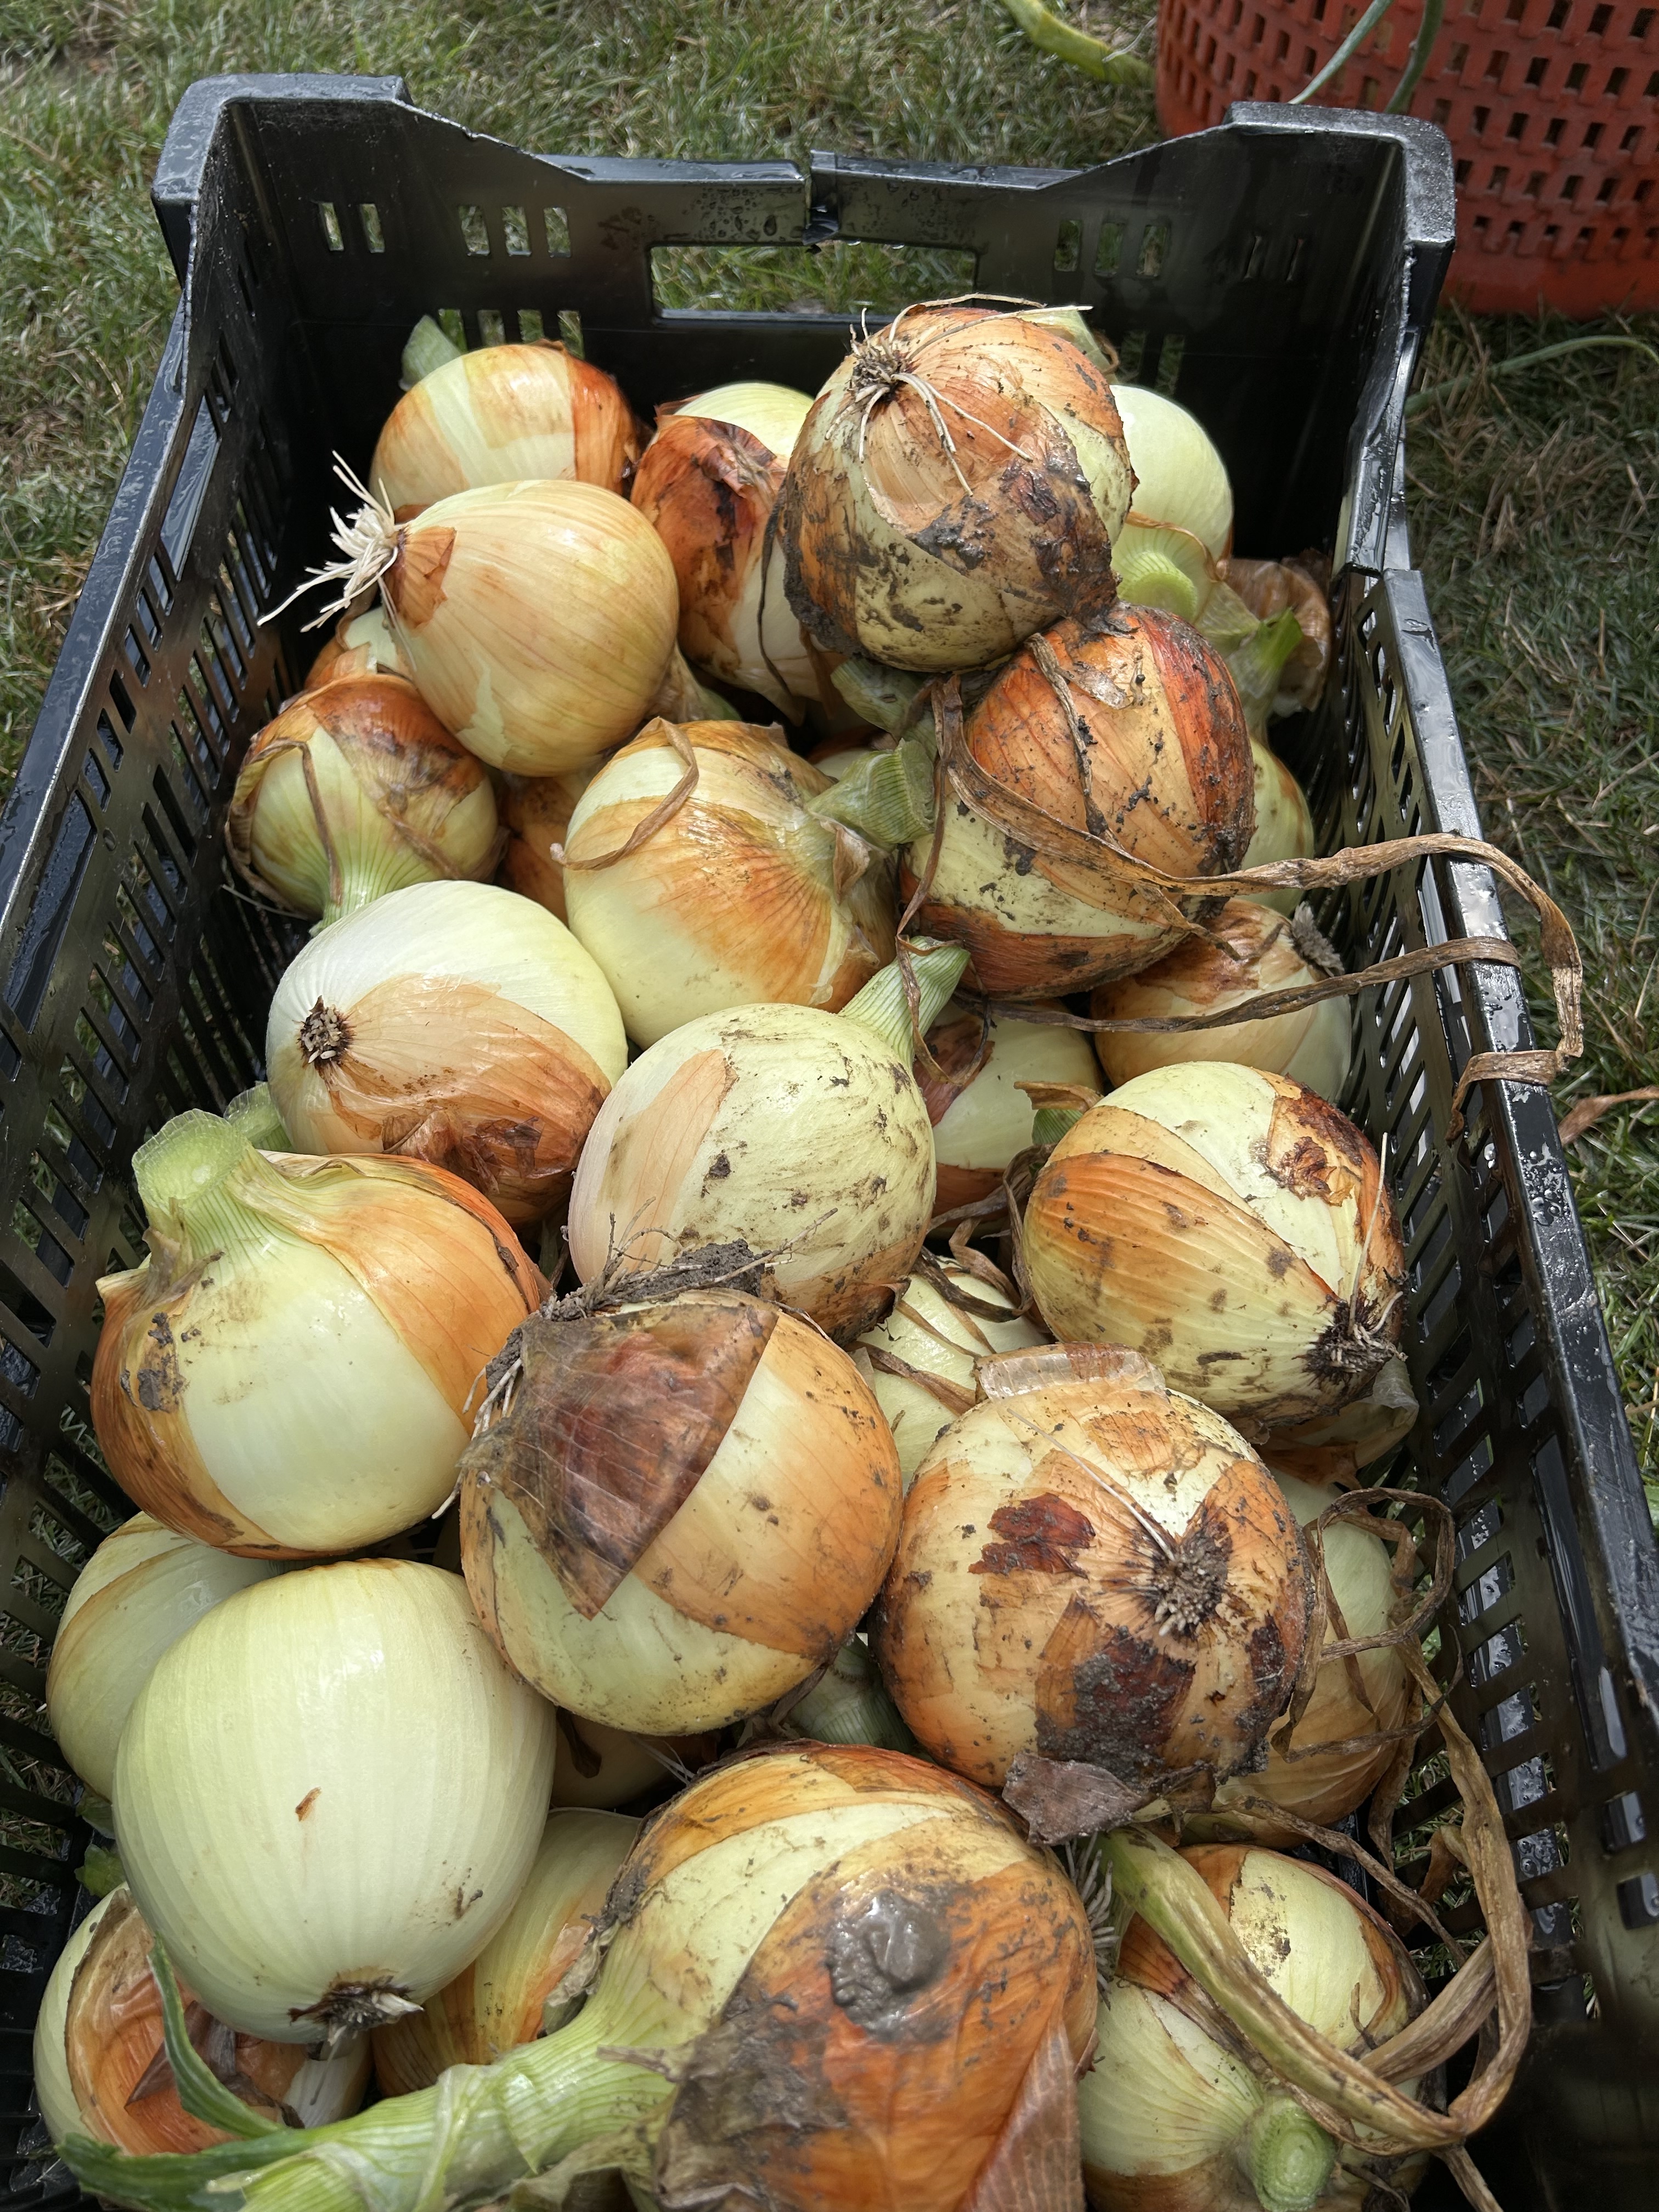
(1060, 1798)
(1588, 1111)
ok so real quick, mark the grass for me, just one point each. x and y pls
(1530, 496)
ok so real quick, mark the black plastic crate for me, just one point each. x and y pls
(1278, 276)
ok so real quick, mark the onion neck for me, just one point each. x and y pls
(196, 1177)
(1287, 2155)
(886, 798)
(881, 1007)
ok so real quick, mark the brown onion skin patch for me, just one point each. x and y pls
(535, 811)
(1007, 963)
(708, 488)
(1215, 738)
(413, 587)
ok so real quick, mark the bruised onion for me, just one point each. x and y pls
(1234, 1228)
(1159, 724)
(679, 1510)
(496, 2003)
(921, 1361)
(1284, 824)
(501, 414)
(960, 482)
(707, 482)
(363, 645)
(1248, 951)
(739, 898)
(982, 1118)
(355, 790)
(451, 1023)
(1093, 1570)
(535, 812)
(826, 1975)
(289, 1371)
(135, 1597)
(102, 2010)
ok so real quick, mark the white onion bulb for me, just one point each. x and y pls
(982, 1118)
(1284, 824)
(1180, 477)
(942, 1344)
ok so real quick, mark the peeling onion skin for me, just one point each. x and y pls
(404, 802)
(1310, 1044)
(451, 1023)
(1215, 1217)
(363, 645)
(1283, 825)
(274, 1752)
(980, 1118)
(535, 812)
(106, 2017)
(1029, 1608)
(501, 414)
(711, 1544)
(1165, 2110)
(135, 1597)
(888, 555)
(1171, 773)
(784, 1126)
(926, 1332)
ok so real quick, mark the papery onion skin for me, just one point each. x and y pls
(354, 790)
(1030, 1608)
(277, 1753)
(54, 2093)
(919, 557)
(1180, 477)
(111, 2041)
(495, 2002)
(309, 1391)
(926, 1332)
(1170, 775)
(1234, 1227)
(135, 1597)
(1166, 2109)
(1332, 1448)
(714, 1544)
(732, 902)
(784, 1126)
(454, 1023)
(535, 812)
(602, 1768)
(1309, 1043)
(1267, 588)
(363, 645)
(1283, 825)
(539, 619)
(980, 1118)
(499, 415)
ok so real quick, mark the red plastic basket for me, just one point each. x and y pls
(1552, 107)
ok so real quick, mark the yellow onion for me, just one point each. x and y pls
(451, 1023)
(1232, 1226)
(1365, 1695)
(1250, 951)
(1173, 2117)
(707, 482)
(329, 1795)
(1180, 480)
(923, 1361)
(355, 790)
(363, 645)
(680, 1510)
(738, 897)
(535, 812)
(1267, 589)
(499, 414)
(603, 1767)
(1169, 780)
(538, 619)
(1283, 825)
(1092, 1569)
(981, 1116)
(135, 1597)
(1332, 1448)
(960, 482)
(101, 2069)
(495, 2002)
(289, 1371)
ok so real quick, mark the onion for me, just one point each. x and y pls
(1094, 1570)
(1268, 588)
(827, 1976)
(496, 2003)
(353, 791)
(603, 1767)
(536, 810)
(982, 1118)
(680, 1509)
(849, 1703)
(1169, 771)
(501, 414)
(800, 1132)
(329, 1795)
(133, 1600)
(837, 756)
(1174, 2119)
(1283, 825)
(1332, 1448)
(1180, 480)
(960, 482)
(99, 2062)
(363, 645)
(708, 484)
(286, 1372)
(1232, 1226)
(921, 1362)
(451, 1023)
(1250, 951)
